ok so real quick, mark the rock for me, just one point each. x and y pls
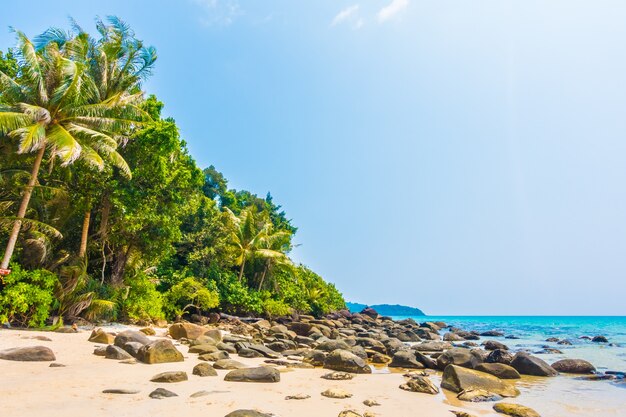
(297, 397)
(130, 336)
(198, 394)
(41, 338)
(56, 365)
(215, 334)
(28, 354)
(379, 358)
(349, 413)
(457, 379)
(492, 333)
(187, 330)
(478, 395)
(159, 351)
(425, 360)
(370, 402)
(574, 366)
(458, 356)
(228, 364)
(336, 393)
(500, 370)
(204, 369)
(215, 356)
(499, 356)
(120, 391)
(338, 376)
(515, 410)
(331, 345)
(268, 353)
(600, 339)
(315, 357)
(132, 348)
(344, 361)
(100, 336)
(405, 359)
(368, 311)
(160, 393)
(461, 414)
(148, 331)
(420, 384)
(564, 342)
(100, 351)
(67, 329)
(432, 346)
(169, 377)
(115, 352)
(259, 374)
(249, 353)
(493, 345)
(452, 337)
(203, 348)
(531, 365)
(247, 413)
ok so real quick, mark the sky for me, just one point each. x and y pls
(466, 158)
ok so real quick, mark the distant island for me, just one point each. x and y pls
(387, 309)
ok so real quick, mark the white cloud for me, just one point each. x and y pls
(218, 12)
(346, 14)
(392, 9)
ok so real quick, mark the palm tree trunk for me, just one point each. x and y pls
(243, 264)
(22, 210)
(83, 239)
(263, 276)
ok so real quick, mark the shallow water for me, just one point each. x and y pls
(564, 395)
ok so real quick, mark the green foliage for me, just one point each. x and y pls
(27, 296)
(190, 293)
(169, 240)
(140, 300)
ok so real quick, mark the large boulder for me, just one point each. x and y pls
(130, 336)
(187, 330)
(457, 379)
(28, 354)
(259, 374)
(405, 359)
(515, 410)
(500, 370)
(315, 357)
(159, 351)
(100, 336)
(574, 366)
(531, 365)
(345, 361)
(499, 356)
(458, 356)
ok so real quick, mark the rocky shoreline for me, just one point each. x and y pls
(429, 356)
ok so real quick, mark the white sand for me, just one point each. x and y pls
(34, 389)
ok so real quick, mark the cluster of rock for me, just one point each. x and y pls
(344, 343)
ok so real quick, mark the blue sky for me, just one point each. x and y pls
(462, 157)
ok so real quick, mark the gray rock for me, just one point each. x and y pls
(515, 410)
(458, 356)
(500, 370)
(345, 361)
(574, 366)
(169, 377)
(28, 354)
(405, 359)
(130, 336)
(259, 374)
(493, 345)
(228, 364)
(420, 383)
(478, 395)
(457, 379)
(115, 352)
(531, 365)
(160, 393)
(132, 348)
(159, 351)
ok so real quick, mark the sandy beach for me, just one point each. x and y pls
(76, 389)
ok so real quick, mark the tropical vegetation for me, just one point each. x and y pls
(105, 215)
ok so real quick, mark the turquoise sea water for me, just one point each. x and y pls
(565, 395)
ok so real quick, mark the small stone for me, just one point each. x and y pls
(198, 394)
(370, 402)
(168, 377)
(56, 365)
(420, 384)
(148, 331)
(247, 413)
(120, 391)
(336, 393)
(478, 395)
(160, 393)
(461, 413)
(338, 376)
(349, 413)
(298, 397)
(515, 410)
(100, 336)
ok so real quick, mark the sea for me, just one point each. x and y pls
(565, 395)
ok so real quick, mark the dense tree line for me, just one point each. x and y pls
(104, 214)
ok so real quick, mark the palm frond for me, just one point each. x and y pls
(64, 145)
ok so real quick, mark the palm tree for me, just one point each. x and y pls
(273, 249)
(251, 237)
(54, 105)
(117, 62)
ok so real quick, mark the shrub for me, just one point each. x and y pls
(235, 297)
(190, 293)
(276, 308)
(27, 297)
(142, 301)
